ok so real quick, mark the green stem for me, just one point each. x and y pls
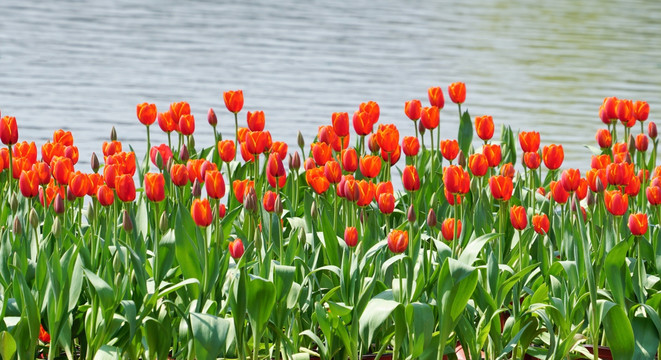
(236, 132)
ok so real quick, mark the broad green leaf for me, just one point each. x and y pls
(209, 334)
(617, 327)
(107, 352)
(472, 251)
(647, 338)
(103, 290)
(7, 345)
(617, 271)
(378, 310)
(260, 299)
(465, 135)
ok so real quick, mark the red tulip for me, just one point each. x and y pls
(28, 183)
(619, 173)
(412, 109)
(410, 178)
(63, 137)
(384, 187)
(241, 188)
(212, 119)
(484, 127)
(610, 104)
(411, 145)
(553, 156)
(255, 120)
(638, 224)
(155, 187)
(366, 192)
(592, 175)
(386, 203)
(651, 130)
(362, 123)
(435, 95)
(447, 229)
(146, 113)
(279, 148)
(256, 141)
(351, 236)
(654, 195)
(349, 160)
(518, 217)
(532, 160)
(541, 224)
(624, 109)
(25, 150)
(600, 161)
(177, 110)
(372, 108)
(179, 174)
(398, 241)
(79, 184)
(281, 180)
(109, 148)
(340, 121)
(233, 100)
(321, 152)
(641, 110)
(570, 179)
(167, 123)
(333, 172)
(529, 141)
(393, 157)
(269, 201)
(642, 142)
(125, 162)
(61, 168)
(274, 166)
(457, 92)
(164, 151)
(187, 124)
(449, 149)
(201, 212)
(226, 150)
(560, 195)
(43, 172)
(236, 249)
(387, 136)
(43, 335)
(51, 150)
(501, 187)
(455, 179)
(125, 187)
(604, 138)
(370, 166)
(8, 130)
(430, 117)
(105, 195)
(616, 202)
(214, 184)
(633, 187)
(493, 154)
(478, 164)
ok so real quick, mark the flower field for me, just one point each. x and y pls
(249, 249)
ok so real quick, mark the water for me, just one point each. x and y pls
(84, 65)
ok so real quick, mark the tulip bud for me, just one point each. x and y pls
(591, 198)
(277, 207)
(91, 214)
(196, 190)
(410, 215)
(113, 134)
(651, 130)
(222, 210)
(302, 239)
(373, 144)
(13, 203)
(294, 161)
(94, 163)
(313, 210)
(183, 153)
(211, 118)
(431, 218)
(421, 128)
(58, 204)
(574, 201)
(250, 201)
(34, 218)
(163, 224)
(169, 164)
(70, 195)
(17, 228)
(631, 144)
(461, 159)
(600, 185)
(57, 227)
(127, 222)
(301, 141)
(191, 141)
(117, 267)
(627, 158)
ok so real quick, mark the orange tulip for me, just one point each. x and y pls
(125, 162)
(435, 95)
(269, 201)
(50, 150)
(553, 156)
(351, 236)
(616, 202)
(653, 195)
(333, 172)
(110, 173)
(413, 108)
(349, 160)
(125, 187)
(529, 141)
(316, 179)
(236, 249)
(241, 188)
(26, 150)
(179, 109)
(386, 203)
(387, 136)
(447, 229)
(410, 178)
(43, 172)
(484, 127)
(214, 184)
(340, 121)
(393, 157)
(478, 164)
(350, 188)
(179, 174)
(61, 168)
(518, 217)
(633, 187)
(28, 183)
(63, 137)
(592, 175)
(457, 92)
(508, 170)
(624, 109)
(274, 166)
(96, 180)
(8, 130)
(321, 152)
(366, 192)
(20, 165)
(370, 166)
(146, 113)
(641, 110)
(187, 124)
(619, 173)
(398, 241)
(280, 148)
(362, 123)
(384, 187)
(642, 142)
(226, 150)
(373, 144)
(638, 224)
(109, 148)
(560, 195)
(43, 335)
(52, 191)
(610, 104)
(233, 100)
(532, 160)
(430, 117)
(281, 180)
(450, 149)
(570, 179)
(411, 145)
(501, 187)
(256, 141)
(600, 161)
(167, 123)
(604, 138)
(541, 224)
(493, 154)
(255, 120)
(79, 184)
(372, 108)
(201, 213)
(72, 153)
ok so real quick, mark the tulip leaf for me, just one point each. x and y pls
(617, 271)
(508, 145)
(210, 334)
(647, 338)
(465, 135)
(7, 345)
(376, 313)
(260, 300)
(617, 327)
(187, 254)
(420, 319)
(107, 352)
(472, 251)
(103, 290)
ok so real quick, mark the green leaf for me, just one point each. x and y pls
(647, 338)
(465, 135)
(187, 253)
(420, 318)
(472, 251)
(617, 327)
(617, 271)
(260, 296)
(378, 310)
(209, 334)
(103, 290)
(107, 352)
(7, 345)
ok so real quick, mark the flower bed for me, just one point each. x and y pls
(154, 256)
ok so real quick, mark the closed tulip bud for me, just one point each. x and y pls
(13, 203)
(591, 198)
(191, 142)
(163, 224)
(91, 214)
(461, 159)
(398, 241)
(642, 142)
(294, 161)
(421, 128)
(183, 153)
(94, 163)
(250, 201)
(158, 159)
(574, 201)
(431, 218)
(373, 144)
(170, 163)
(58, 204)
(651, 130)
(17, 228)
(222, 210)
(638, 224)
(211, 118)
(410, 214)
(70, 195)
(301, 141)
(196, 190)
(631, 143)
(277, 207)
(127, 223)
(33, 218)
(113, 134)
(313, 210)
(56, 229)
(600, 184)
(627, 159)
(351, 236)
(236, 249)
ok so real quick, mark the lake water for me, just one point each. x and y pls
(84, 65)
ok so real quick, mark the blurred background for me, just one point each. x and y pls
(84, 65)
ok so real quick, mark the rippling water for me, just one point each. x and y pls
(84, 65)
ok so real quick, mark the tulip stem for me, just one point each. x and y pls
(11, 176)
(236, 132)
(156, 241)
(431, 173)
(401, 274)
(148, 147)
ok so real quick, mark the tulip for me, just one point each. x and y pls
(457, 92)
(179, 174)
(146, 113)
(125, 187)
(638, 224)
(269, 201)
(25, 150)
(366, 192)
(96, 180)
(274, 166)
(201, 212)
(43, 335)
(241, 188)
(233, 100)
(178, 109)
(8, 130)
(212, 119)
(384, 187)
(109, 148)
(43, 172)
(28, 183)
(619, 173)
(410, 145)
(372, 108)
(484, 127)
(321, 152)
(63, 137)
(449, 149)
(155, 187)
(455, 179)
(370, 166)
(410, 178)
(387, 136)
(633, 187)
(351, 189)
(351, 236)
(51, 191)
(393, 157)
(167, 123)
(430, 117)
(349, 160)
(386, 203)
(560, 195)
(651, 130)
(333, 172)
(642, 142)
(165, 153)
(447, 228)
(624, 109)
(493, 154)
(518, 217)
(531, 160)
(570, 179)
(553, 156)
(501, 187)
(79, 184)
(616, 202)
(529, 141)
(316, 179)
(226, 150)
(187, 124)
(610, 103)
(236, 249)
(255, 120)
(280, 148)
(604, 138)
(214, 184)
(125, 162)
(641, 110)
(600, 161)
(362, 123)
(653, 195)
(398, 241)
(478, 164)
(412, 109)
(340, 121)
(61, 168)
(51, 150)
(582, 190)
(435, 95)
(541, 224)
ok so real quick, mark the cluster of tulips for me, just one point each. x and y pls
(147, 258)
